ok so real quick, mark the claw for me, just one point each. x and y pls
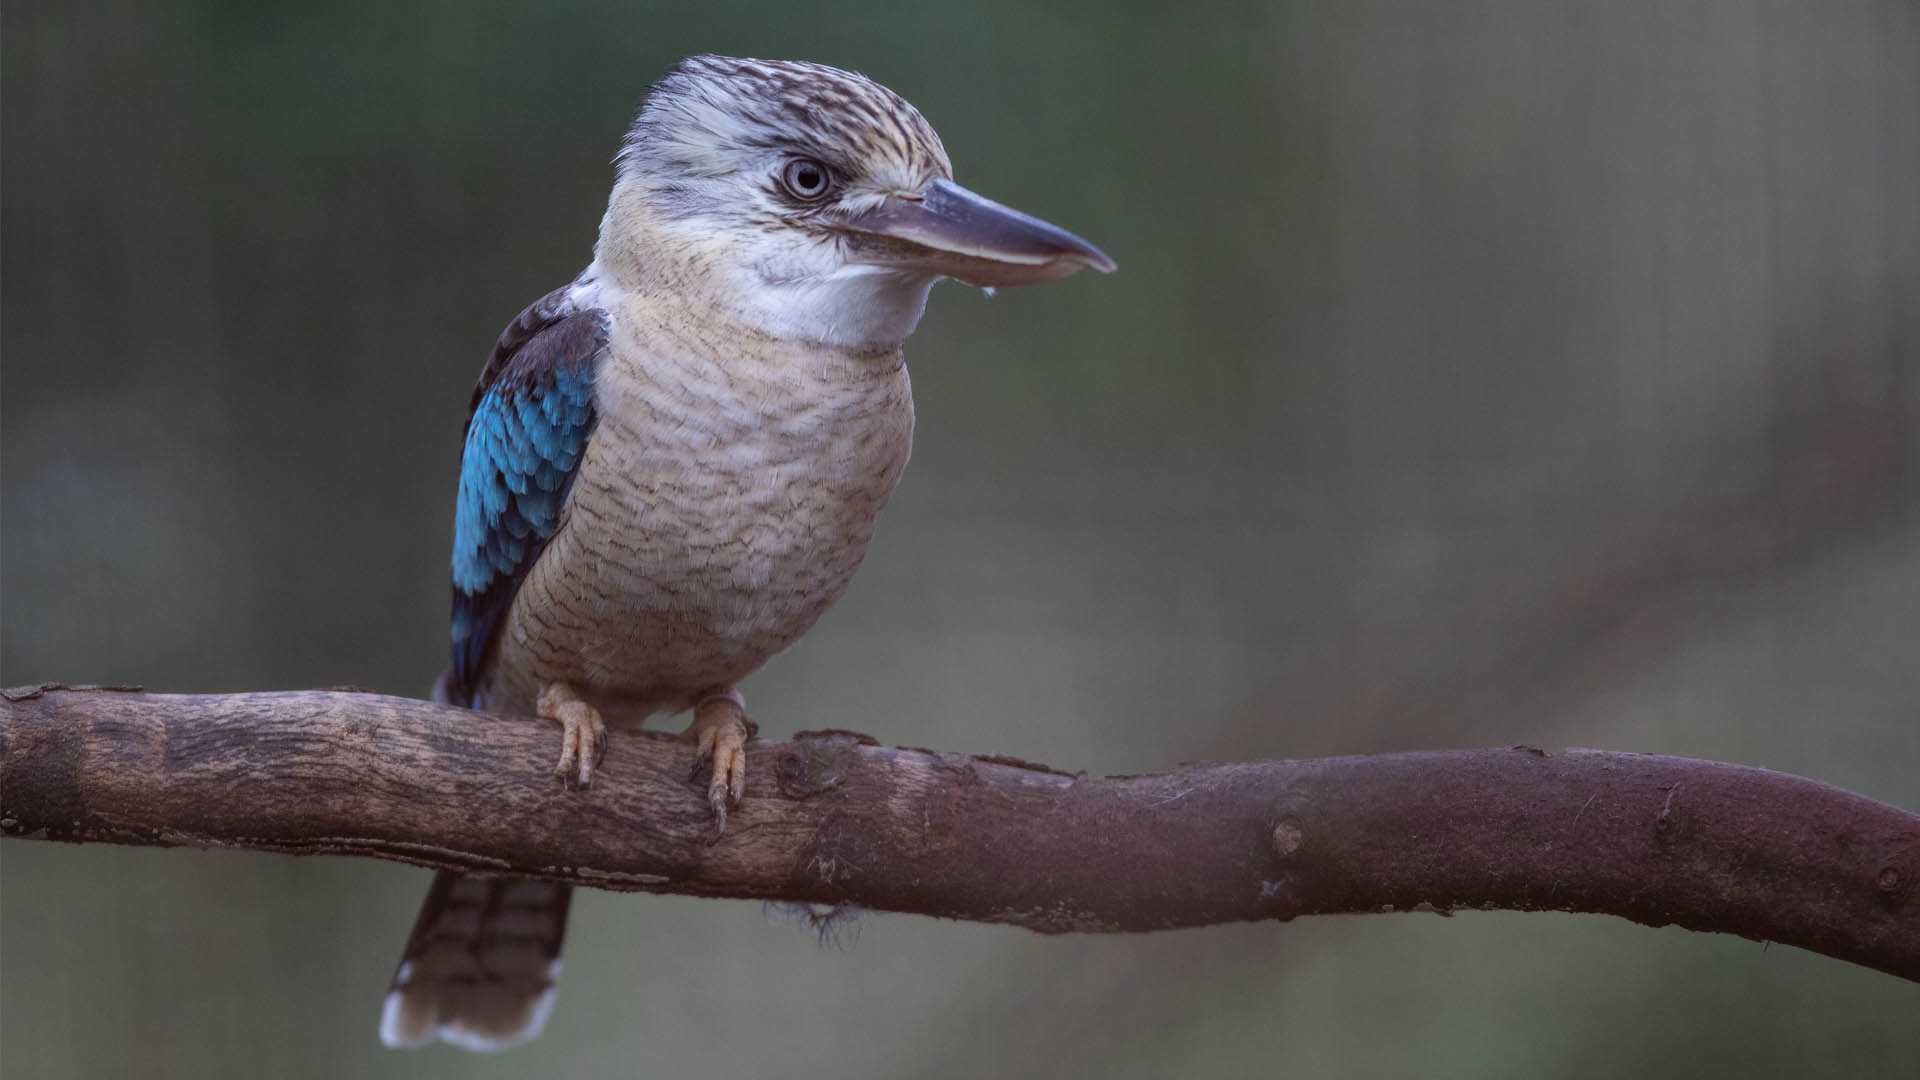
(719, 734)
(580, 727)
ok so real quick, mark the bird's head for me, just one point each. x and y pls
(815, 202)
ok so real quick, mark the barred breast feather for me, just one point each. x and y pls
(725, 496)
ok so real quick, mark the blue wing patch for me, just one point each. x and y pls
(522, 448)
(532, 413)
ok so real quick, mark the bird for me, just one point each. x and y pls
(673, 465)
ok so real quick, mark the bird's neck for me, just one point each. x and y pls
(858, 308)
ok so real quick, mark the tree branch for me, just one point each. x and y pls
(832, 818)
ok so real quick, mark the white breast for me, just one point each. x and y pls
(725, 499)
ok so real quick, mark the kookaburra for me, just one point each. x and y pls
(673, 465)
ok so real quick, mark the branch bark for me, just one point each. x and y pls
(832, 818)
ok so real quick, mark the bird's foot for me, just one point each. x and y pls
(583, 736)
(719, 733)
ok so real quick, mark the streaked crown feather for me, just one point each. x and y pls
(706, 113)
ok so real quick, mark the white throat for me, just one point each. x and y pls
(866, 308)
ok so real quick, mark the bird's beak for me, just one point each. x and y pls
(950, 231)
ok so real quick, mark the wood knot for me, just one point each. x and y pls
(817, 762)
(1288, 839)
(1889, 881)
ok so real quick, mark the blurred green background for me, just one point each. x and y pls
(1476, 374)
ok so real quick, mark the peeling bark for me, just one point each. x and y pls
(833, 818)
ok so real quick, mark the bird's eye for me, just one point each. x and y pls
(805, 178)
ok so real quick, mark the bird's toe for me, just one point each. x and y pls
(719, 733)
(583, 735)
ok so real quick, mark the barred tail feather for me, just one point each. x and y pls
(480, 967)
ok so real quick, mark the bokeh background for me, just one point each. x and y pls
(1476, 374)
